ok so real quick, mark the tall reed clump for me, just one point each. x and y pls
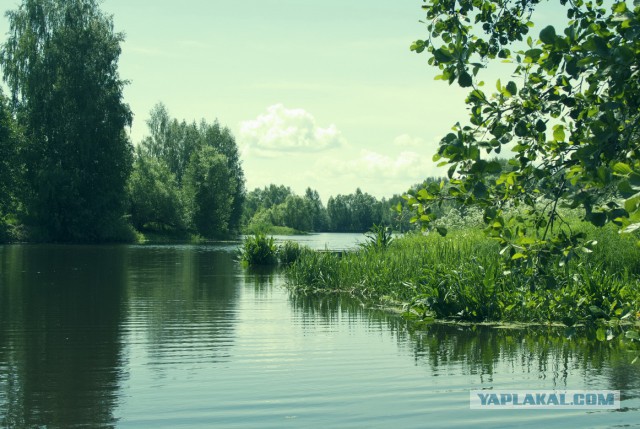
(463, 276)
(289, 252)
(259, 250)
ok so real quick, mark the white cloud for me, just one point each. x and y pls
(405, 140)
(407, 165)
(288, 130)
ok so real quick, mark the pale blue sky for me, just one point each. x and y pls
(322, 94)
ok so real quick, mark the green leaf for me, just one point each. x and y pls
(521, 129)
(597, 218)
(558, 133)
(512, 88)
(632, 335)
(622, 169)
(518, 256)
(442, 55)
(493, 167)
(465, 80)
(480, 190)
(625, 189)
(619, 8)
(548, 35)
(533, 55)
(632, 204)
(442, 231)
(418, 46)
(601, 334)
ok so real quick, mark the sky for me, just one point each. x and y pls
(324, 94)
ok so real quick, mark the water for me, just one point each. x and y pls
(182, 336)
(322, 241)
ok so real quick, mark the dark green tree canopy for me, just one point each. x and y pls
(10, 167)
(60, 62)
(206, 173)
(570, 115)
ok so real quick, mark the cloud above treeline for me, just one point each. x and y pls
(288, 130)
(369, 164)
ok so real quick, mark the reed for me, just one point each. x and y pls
(463, 276)
(259, 250)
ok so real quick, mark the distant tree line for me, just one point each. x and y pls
(278, 205)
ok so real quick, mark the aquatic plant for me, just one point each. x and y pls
(378, 237)
(259, 250)
(462, 276)
(289, 252)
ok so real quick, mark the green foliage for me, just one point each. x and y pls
(571, 116)
(60, 63)
(289, 252)
(379, 237)
(462, 276)
(317, 272)
(208, 187)
(155, 199)
(278, 206)
(9, 168)
(356, 212)
(259, 250)
(205, 181)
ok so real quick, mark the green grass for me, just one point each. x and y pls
(463, 277)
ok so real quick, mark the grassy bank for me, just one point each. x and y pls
(462, 277)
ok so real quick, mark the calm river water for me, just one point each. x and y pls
(184, 337)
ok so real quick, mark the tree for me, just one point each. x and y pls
(9, 168)
(171, 141)
(356, 212)
(317, 212)
(60, 63)
(175, 143)
(296, 213)
(339, 213)
(208, 192)
(221, 139)
(365, 211)
(572, 115)
(274, 195)
(155, 199)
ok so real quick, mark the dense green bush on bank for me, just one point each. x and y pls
(462, 276)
